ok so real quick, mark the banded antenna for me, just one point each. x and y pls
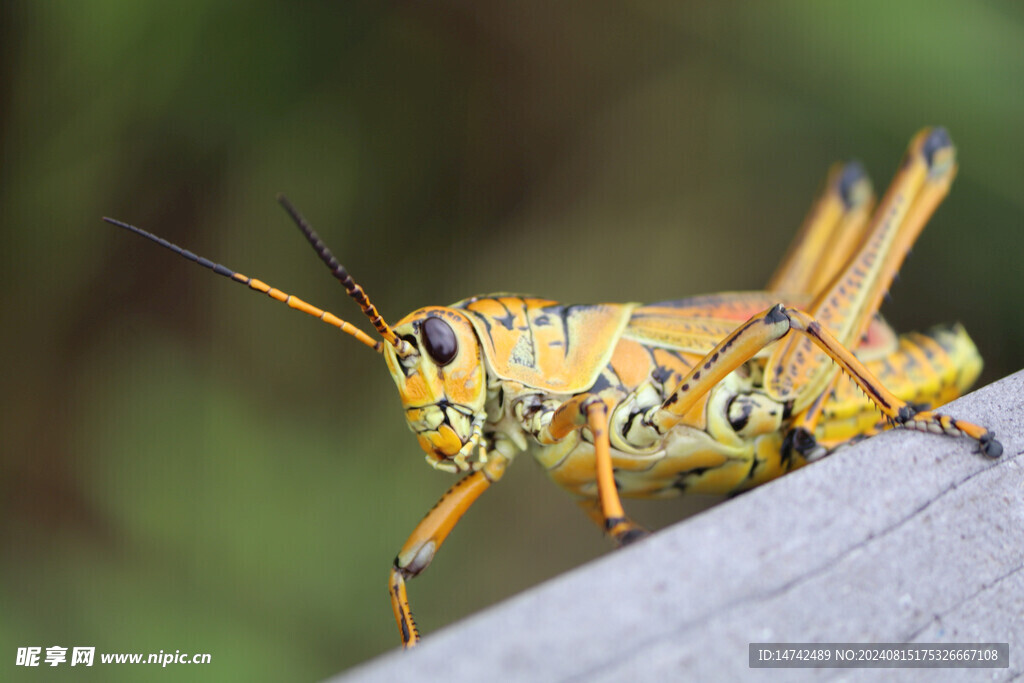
(402, 347)
(355, 291)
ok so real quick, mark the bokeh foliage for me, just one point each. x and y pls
(185, 466)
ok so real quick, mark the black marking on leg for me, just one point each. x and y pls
(406, 623)
(937, 140)
(776, 315)
(611, 522)
(905, 414)
(853, 174)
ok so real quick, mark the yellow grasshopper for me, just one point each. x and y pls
(712, 394)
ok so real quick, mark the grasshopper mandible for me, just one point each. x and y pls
(712, 394)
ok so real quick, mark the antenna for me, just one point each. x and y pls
(260, 286)
(338, 271)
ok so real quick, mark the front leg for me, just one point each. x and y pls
(428, 536)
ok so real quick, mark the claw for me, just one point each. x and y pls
(989, 446)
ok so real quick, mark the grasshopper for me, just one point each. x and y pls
(712, 394)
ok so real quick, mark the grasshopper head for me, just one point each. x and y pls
(433, 354)
(442, 383)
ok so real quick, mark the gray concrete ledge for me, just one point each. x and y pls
(906, 537)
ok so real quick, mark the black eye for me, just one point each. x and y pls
(439, 340)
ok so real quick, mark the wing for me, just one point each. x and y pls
(695, 325)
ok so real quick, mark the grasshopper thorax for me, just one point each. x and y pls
(442, 384)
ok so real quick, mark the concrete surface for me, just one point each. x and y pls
(906, 537)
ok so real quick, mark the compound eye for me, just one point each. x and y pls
(439, 340)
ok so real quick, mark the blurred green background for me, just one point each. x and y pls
(187, 466)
